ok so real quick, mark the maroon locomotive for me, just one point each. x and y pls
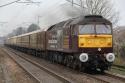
(84, 43)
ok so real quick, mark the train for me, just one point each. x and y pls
(84, 43)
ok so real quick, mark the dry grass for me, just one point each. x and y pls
(119, 61)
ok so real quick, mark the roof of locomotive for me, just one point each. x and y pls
(90, 19)
(80, 20)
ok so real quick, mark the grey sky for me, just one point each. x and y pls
(120, 6)
(24, 14)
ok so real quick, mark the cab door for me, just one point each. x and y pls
(74, 37)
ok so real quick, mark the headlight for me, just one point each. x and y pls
(110, 57)
(83, 57)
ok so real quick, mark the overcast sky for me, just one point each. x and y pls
(24, 14)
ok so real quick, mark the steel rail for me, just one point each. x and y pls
(62, 78)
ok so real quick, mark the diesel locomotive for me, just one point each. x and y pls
(85, 42)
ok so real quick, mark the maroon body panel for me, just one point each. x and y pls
(41, 40)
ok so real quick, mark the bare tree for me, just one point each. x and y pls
(17, 31)
(98, 7)
(33, 27)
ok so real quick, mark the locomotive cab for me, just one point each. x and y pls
(95, 42)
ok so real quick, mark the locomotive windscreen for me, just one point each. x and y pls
(94, 29)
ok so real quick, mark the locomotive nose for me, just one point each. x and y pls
(83, 57)
(110, 57)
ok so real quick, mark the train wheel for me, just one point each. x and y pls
(60, 58)
(75, 66)
(102, 70)
(67, 62)
(53, 58)
(71, 61)
(81, 67)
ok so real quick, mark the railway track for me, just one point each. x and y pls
(105, 78)
(119, 66)
(108, 78)
(62, 79)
